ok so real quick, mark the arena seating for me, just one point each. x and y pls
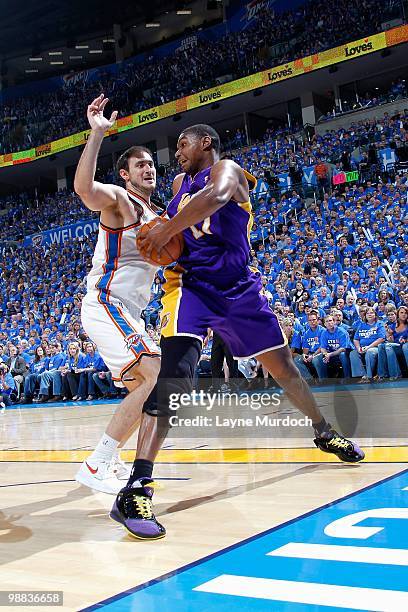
(312, 27)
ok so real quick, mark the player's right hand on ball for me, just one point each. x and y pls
(96, 119)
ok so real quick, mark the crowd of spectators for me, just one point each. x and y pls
(269, 41)
(369, 99)
(25, 214)
(334, 268)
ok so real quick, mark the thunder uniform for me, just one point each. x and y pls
(212, 284)
(118, 289)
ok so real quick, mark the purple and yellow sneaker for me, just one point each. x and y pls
(332, 442)
(133, 509)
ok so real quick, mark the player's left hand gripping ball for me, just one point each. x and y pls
(155, 244)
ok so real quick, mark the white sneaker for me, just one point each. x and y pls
(3, 407)
(120, 469)
(99, 477)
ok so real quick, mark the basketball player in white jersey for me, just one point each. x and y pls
(118, 289)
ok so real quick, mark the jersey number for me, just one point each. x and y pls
(194, 230)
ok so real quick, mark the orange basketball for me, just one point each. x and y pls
(169, 253)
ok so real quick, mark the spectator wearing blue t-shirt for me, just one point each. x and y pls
(310, 345)
(37, 367)
(204, 365)
(87, 368)
(354, 267)
(51, 377)
(8, 388)
(395, 349)
(69, 372)
(350, 311)
(370, 333)
(334, 343)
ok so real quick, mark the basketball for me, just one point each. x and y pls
(170, 252)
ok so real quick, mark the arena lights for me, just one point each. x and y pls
(184, 12)
(95, 51)
(35, 59)
(81, 47)
(54, 52)
(152, 24)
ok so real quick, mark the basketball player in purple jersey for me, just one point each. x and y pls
(212, 286)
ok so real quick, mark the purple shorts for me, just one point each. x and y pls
(240, 315)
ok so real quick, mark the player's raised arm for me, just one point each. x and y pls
(222, 185)
(95, 195)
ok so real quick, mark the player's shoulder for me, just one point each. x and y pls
(177, 181)
(179, 177)
(231, 166)
(222, 164)
(120, 192)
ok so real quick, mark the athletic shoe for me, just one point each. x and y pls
(120, 469)
(100, 477)
(133, 509)
(332, 442)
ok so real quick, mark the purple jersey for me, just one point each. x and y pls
(216, 249)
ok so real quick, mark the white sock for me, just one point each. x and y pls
(105, 449)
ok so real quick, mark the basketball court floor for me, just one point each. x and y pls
(254, 522)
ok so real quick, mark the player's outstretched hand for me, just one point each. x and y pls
(155, 239)
(96, 119)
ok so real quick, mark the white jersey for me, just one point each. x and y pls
(118, 270)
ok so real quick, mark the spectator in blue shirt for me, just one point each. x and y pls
(8, 389)
(51, 377)
(37, 367)
(395, 349)
(350, 311)
(310, 345)
(69, 372)
(370, 333)
(87, 368)
(334, 343)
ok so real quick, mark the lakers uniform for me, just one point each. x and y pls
(212, 285)
(118, 289)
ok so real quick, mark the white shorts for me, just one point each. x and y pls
(120, 338)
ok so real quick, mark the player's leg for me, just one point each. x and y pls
(184, 323)
(104, 463)
(279, 363)
(217, 361)
(253, 330)
(133, 359)
(133, 506)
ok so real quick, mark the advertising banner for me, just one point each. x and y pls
(58, 235)
(277, 74)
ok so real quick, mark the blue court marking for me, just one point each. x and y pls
(175, 592)
(62, 404)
